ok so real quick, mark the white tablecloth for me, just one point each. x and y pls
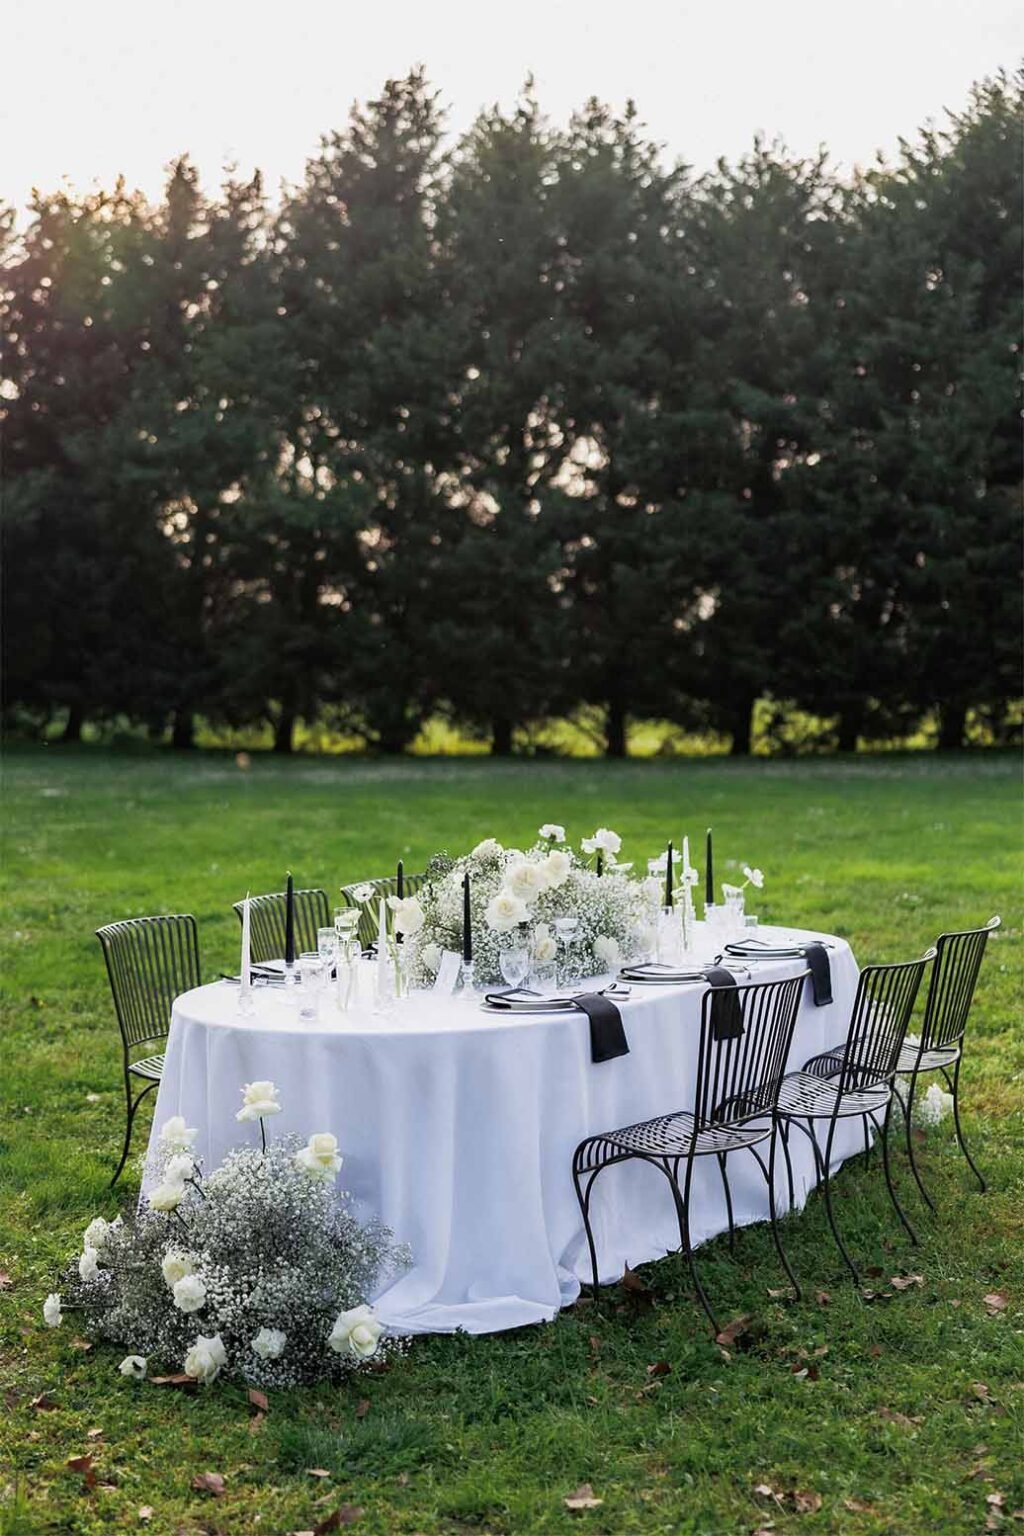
(458, 1129)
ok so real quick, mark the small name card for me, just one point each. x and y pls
(447, 978)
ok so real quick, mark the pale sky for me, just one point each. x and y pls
(91, 88)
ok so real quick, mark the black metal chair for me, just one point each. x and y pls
(941, 1042)
(369, 914)
(856, 1079)
(745, 1038)
(267, 923)
(150, 962)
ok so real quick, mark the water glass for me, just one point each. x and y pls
(545, 977)
(514, 964)
(312, 975)
(327, 945)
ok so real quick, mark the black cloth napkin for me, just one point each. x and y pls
(817, 959)
(726, 1013)
(607, 1035)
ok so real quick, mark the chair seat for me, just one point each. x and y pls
(930, 1060)
(673, 1136)
(807, 1096)
(150, 1067)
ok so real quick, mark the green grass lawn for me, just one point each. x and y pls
(897, 1413)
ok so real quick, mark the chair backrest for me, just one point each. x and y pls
(150, 962)
(878, 1022)
(267, 923)
(951, 990)
(369, 904)
(739, 1072)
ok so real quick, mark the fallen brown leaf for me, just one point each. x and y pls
(5, 1280)
(84, 1465)
(44, 1403)
(258, 1400)
(895, 1417)
(980, 1391)
(904, 1282)
(997, 1500)
(595, 1343)
(178, 1379)
(766, 1491)
(996, 1301)
(81, 1344)
(875, 1350)
(806, 1503)
(345, 1514)
(317, 1472)
(362, 1407)
(823, 1298)
(1018, 1514)
(632, 1283)
(583, 1497)
(209, 1482)
(659, 1368)
(858, 1507)
(783, 1294)
(94, 1434)
(145, 1511)
(256, 1423)
(731, 1332)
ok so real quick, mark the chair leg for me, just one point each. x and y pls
(823, 1164)
(728, 1201)
(959, 1132)
(683, 1216)
(888, 1173)
(776, 1235)
(784, 1128)
(584, 1203)
(908, 1115)
(132, 1107)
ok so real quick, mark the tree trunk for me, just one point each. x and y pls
(741, 721)
(849, 729)
(283, 731)
(951, 727)
(615, 729)
(75, 721)
(183, 731)
(501, 738)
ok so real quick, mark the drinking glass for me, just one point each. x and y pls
(545, 977)
(327, 945)
(514, 964)
(565, 931)
(346, 922)
(312, 976)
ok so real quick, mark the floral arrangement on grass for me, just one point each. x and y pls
(517, 896)
(256, 1271)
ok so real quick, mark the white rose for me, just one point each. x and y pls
(175, 1266)
(166, 1197)
(527, 881)
(87, 1266)
(545, 946)
(205, 1359)
(258, 1100)
(430, 954)
(133, 1366)
(408, 914)
(552, 832)
(320, 1156)
(363, 893)
(490, 848)
(189, 1293)
(934, 1107)
(269, 1343)
(755, 876)
(96, 1233)
(356, 1330)
(557, 868)
(505, 912)
(52, 1315)
(603, 839)
(606, 950)
(179, 1168)
(176, 1135)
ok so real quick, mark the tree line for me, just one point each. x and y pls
(538, 421)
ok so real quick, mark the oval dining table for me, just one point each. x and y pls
(457, 1127)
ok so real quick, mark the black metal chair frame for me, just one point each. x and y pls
(150, 961)
(384, 885)
(736, 1090)
(856, 1079)
(946, 1011)
(267, 922)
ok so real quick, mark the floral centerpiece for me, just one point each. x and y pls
(256, 1271)
(518, 895)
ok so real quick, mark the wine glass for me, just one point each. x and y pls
(514, 964)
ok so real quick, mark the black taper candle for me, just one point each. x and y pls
(289, 923)
(600, 863)
(467, 925)
(400, 883)
(668, 876)
(709, 875)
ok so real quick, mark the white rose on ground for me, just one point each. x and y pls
(490, 848)
(545, 945)
(96, 1233)
(527, 881)
(52, 1315)
(606, 950)
(430, 954)
(557, 868)
(87, 1266)
(166, 1197)
(258, 1101)
(934, 1107)
(603, 840)
(552, 832)
(408, 914)
(755, 876)
(189, 1293)
(320, 1156)
(269, 1343)
(505, 912)
(356, 1330)
(205, 1359)
(175, 1266)
(179, 1168)
(176, 1135)
(133, 1366)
